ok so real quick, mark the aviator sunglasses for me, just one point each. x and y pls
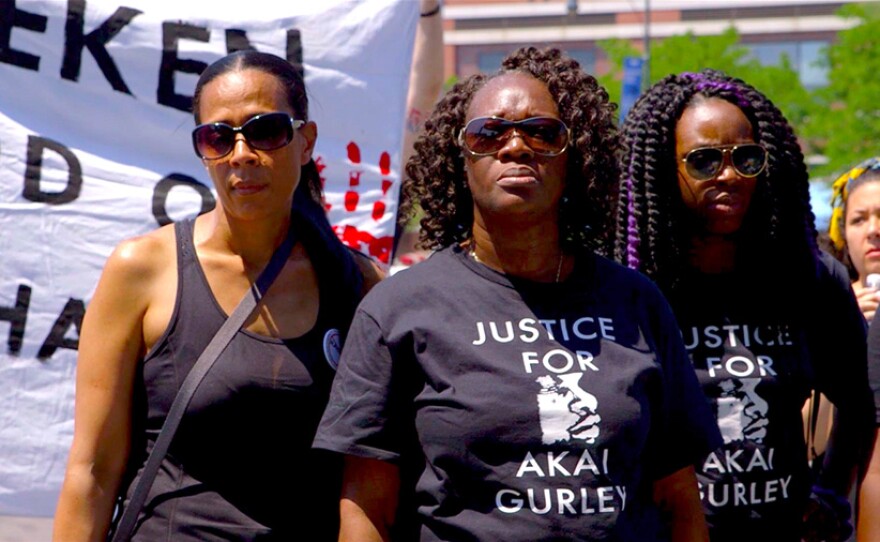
(483, 136)
(705, 163)
(265, 132)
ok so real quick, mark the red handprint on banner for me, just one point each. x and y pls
(352, 195)
(377, 247)
(357, 236)
(385, 170)
(354, 177)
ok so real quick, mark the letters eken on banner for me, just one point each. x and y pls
(95, 148)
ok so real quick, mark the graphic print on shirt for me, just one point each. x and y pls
(567, 411)
(567, 474)
(738, 365)
(742, 413)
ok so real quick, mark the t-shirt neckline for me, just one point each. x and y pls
(463, 256)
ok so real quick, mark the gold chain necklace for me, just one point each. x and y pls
(473, 253)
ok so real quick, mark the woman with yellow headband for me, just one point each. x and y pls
(855, 230)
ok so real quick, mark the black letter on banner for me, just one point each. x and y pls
(71, 315)
(163, 187)
(237, 40)
(17, 316)
(74, 41)
(171, 34)
(10, 17)
(32, 192)
(295, 50)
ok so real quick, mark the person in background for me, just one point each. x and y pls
(241, 465)
(854, 230)
(714, 207)
(536, 391)
(855, 235)
(425, 86)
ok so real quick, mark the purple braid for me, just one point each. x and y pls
(779, 225)
(632, 227)
(703, 83)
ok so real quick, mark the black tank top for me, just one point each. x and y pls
(241, 465)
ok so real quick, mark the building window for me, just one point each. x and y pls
(804, 57)
(490, 61)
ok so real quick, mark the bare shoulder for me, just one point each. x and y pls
(135, 295)
(369, 269)
(143, 257)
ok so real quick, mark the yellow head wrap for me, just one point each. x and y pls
(839, 195)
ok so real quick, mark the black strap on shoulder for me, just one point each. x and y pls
(210, 354)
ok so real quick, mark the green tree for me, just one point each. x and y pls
(846, 125)
(616, 50)
(723, 52)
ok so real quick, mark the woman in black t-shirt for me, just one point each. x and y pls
(714, 207)
(516, 386)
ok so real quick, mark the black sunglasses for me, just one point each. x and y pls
(483, 136)
(705, 163)
(265, 132)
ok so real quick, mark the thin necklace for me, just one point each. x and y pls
(473, 253)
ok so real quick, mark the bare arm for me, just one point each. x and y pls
(869, 499)
(426, 73)
(110, 345)
(677, 497)
(425, 86)
(369, 500)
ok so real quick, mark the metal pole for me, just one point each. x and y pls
(646, 78)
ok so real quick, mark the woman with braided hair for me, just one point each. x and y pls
(516, 386)
(714, 207)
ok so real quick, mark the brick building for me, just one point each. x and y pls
(479, 33)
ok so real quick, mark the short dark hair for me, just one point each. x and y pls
(653, 224)
(436, 178)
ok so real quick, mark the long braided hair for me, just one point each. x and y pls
(436, 176)
(652, 232)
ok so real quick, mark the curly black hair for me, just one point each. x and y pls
(652, 232)
(436, 177)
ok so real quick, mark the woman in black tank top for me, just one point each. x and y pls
(241, 465)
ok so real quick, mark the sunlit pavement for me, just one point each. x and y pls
(16, 529)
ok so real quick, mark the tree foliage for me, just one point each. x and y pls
(723, 52)
(845, 123)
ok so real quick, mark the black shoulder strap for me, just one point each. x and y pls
(191, 383)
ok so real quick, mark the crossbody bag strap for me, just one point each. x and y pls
(209, 355)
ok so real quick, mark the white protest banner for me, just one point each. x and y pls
(95, 147)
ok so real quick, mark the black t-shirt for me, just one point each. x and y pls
(758, 353)
(532, 411)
